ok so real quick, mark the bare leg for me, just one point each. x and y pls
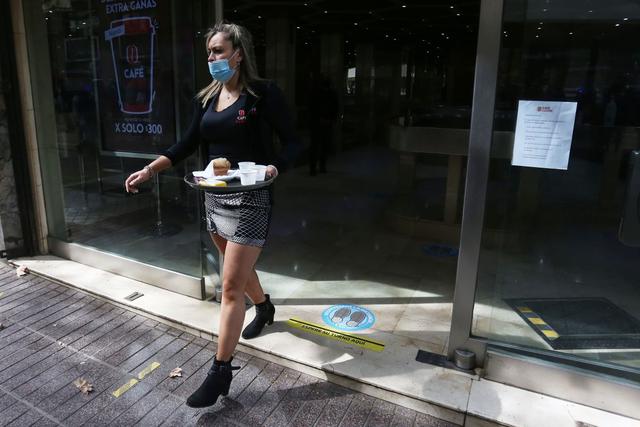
(238, 268)
(253, 288)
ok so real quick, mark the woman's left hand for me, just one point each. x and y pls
(272, 172)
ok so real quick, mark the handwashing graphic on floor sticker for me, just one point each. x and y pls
(343, 317)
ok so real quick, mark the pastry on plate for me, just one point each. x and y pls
(221, 166)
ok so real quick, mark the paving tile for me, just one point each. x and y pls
(336, 408)
(254, 391)
(23, 289)
(26, 419)
(49, 376)
(271, 397)
(424, 420)
(186, 352)
(358, 412)
(161, 412)
(6, 401)
(292, 402)
(200, 359)
(51, 300)
(382, 414)
(183, 416)
(317, 399)
(105, 380)
(13, 412)
(55, 335)
(21, 341)
(118, 405)
(139, 409)
(403, 417)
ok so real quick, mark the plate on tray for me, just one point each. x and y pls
(230, 186)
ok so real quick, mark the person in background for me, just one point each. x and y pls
(323, 112)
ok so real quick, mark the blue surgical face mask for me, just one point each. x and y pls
(220, 69)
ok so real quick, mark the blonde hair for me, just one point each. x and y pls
(241, 39)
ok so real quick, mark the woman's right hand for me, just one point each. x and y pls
(135, 179)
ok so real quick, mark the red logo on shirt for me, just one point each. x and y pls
(242, 118)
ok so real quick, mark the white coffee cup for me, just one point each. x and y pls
(248, 177)
(246, 165)
(261, 171)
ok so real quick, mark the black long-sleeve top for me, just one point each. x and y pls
(260, 116)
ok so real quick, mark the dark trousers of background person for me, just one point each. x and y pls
(321, 140)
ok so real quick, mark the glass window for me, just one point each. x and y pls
(560, 249)
(123, 83)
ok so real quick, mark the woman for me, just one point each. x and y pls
(234, 118)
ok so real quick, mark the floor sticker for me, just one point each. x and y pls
(348, 317)
(323, 331)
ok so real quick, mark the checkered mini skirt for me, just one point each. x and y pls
(240, 217)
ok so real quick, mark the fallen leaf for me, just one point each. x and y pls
(83, 385)
(22, 270)
(177, 372)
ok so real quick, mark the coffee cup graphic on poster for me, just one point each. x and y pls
(132, 42)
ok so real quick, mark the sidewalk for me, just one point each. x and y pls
(53, 335)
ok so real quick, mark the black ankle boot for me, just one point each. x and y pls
(264, 316)
(217, 383)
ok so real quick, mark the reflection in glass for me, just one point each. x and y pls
(97, 127)
(371, 214)
(554, 271)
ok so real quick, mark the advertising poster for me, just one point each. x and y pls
(544, 130)
(135, 75)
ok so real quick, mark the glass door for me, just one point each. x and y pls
(382, 94)
(558, 267)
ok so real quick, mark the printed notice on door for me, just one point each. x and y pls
(543, 134)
